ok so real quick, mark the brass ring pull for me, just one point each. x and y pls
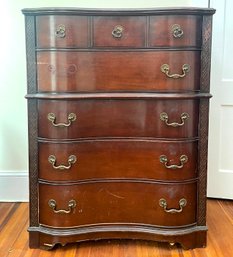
(53, 204)
(165, 68)
(183, 160)
(177, 32)
(117, 31)
(71, 160)
(60, 31)
(52, 117)
(182, 203)
(164, 117)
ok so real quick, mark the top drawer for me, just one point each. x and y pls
(175, 31)
(119, 31)
(61, 31)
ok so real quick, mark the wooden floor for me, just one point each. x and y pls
(14, 238)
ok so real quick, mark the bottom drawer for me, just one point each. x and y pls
(117, 202)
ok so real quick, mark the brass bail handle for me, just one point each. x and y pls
(71, 160)
(117, 32)
(60, 31)
(165, 68)
(182, 204)
(177, 31)
(164, 117)
(183, 159)
(52, 117)
(53, 205)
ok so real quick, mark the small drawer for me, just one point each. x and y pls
(62, 31)
(175, 31)
(117, 203)
(99, 159)
(119, 31)
(59, 119)
(166, 71)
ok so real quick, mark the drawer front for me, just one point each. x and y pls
(117, 202)
(106, 159)
(118, 118)
(118, 71)
(176, 30)
(119, 31)
(62, 31)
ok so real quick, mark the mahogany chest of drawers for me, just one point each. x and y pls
(118, 124)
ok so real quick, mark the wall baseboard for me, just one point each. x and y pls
(14, 186)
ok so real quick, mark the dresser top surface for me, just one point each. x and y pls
(121, 11)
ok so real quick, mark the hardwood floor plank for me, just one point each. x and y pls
(14, 238)
(83, 249)
(227, 207)
(12, 229)
(21, 243)
(6, 211)
(219, 237)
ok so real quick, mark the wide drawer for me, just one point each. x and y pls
(61, 119)
(62, 31)
(111, 159)
(175, 31)
(117, 202)
(118, 71)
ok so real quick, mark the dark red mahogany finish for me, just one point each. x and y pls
(116, 71)
(134, 31)
(161, 25)
(118, 118)
(95, 160)
(113, 195)
(76, 31)
(119, 169)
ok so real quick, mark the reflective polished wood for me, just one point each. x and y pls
(76, 30)
(130, 159)
(118, 118)
(116, 71)
(133, 31)
(161, 28)
(125, 205)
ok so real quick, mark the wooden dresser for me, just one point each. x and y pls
(118, 124)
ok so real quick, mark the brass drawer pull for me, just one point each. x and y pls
(165, 68)
(71, 160)
(60, 31)
(164, 117)
(53, 204)
(117, 31)
(183, 160)
(52, 117)
(177, 32)
(182, 203)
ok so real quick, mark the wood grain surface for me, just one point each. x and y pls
(97, 71)
(99, 159)
(117, 203)
(14, 238)
(118, 118)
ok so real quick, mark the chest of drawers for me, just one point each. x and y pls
(118, 124)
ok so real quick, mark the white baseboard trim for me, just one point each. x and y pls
(14, 186)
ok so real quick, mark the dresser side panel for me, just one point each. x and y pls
(204, 118)
(202, 152)
(31, 54)
(32, 119)
(206, 54)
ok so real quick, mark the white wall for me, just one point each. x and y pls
(13, 111)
